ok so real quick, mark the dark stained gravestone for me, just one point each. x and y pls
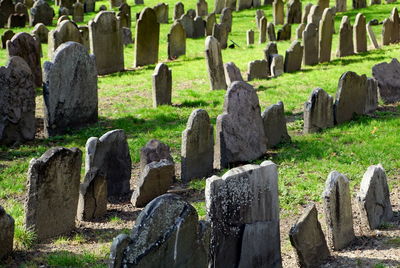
(41, 12)
(388, 77)
(64, 32)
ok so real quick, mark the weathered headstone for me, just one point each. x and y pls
(239, 134)
(16, 21)
(388, 77)
(359, 4)
(191, 13)
(62, 18)
(371, 35)
(346, 47)
(154, 151)
(259, 14)
(199, 29)
(188, 24)
(318, 112)
(232, 73)
(394, 18)
(263, 30)
(125, 12)
(371, 103)
(7, 35)
(41, 32)
(176, 41)
(374, 198)
(6, 234)
(258, 69)
(161, 11)
(64, 32)
(20, 8)
(197, 153)
(338, 212)
(310, 41)
(226, 18)
(271, 32)
(179, 10)
(162, 85)
(293, 14)
(201, 8)
(274, 122)
(41, 12)
(78, 12)
(218, 6)
(315, 15)
(304, 17)
(387, 32)
(53, 192)
(109, 154)
(244, 4)
(215, 65)
(278, 12)
(250, 37)
(293, 57)
(63, 11)
(270, 50)
(221, 34)
(6, 9)
(325, 36)
(276, 65)
(300, 29)
(210, 21)
(284, 33)
(68, 4)
(341, 5)
(360, 34)
(243, 207)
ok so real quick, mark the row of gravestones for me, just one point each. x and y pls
(17, 15)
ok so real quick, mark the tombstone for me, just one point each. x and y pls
(240, 134)
(350, 96)
(70, 84)
(221, 34)
(26, 47)
(374, 198)
(7, 224)
(271, 32)
(154, 151)
(63, 11)
(66, 31)
(162, 85)
(293, 14)
(299, 30)
(20, 8)
(318, 112)
(16, 21)
(307, 9)
(84, 31)
(125, 12)
(41, 12)
(7, 35)
(323, 4)
(338, 212)
(346, 47)
(28, 3)
(199, 27)
(109, 154)
(210, 21)
(230, 4)
(106, 42)
(256, 3)
(226, 18)
(258, 69)
(53, 192)
(17, 95)
(387, 32)
(188, 25)
(307, 238)
(310, 40)
(394, 17)
(269, 51)
(62, 18)
(127, 36)
(276, 65)
(325, 36)
(161, 11)
(360, 34)
(284, 33)
(201, 8)
(197, 153)
(68, 4)
(250, 37)
(116, 3)
(278, 12)
(232, 73)
(6, 9)
(315, 15)
(387, 75)
(215, 65)
(92, 196)
(90, 6)
(341, 5)
(359, 4)
(274, 122)
(176, 41)
(191, 13)
(259, 14)
(371, 103)
(246, 199)
(263, 30)
(179, 10)
(371, 36)
(185, 239)
(244, 4)
(41, 32)
(293, 57)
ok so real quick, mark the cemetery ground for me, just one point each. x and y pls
(125, 102)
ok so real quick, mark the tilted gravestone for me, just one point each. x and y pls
(41, 12)
(221, 34)
(210, 21)
(346, 47)
(250, 37)
(338, 212)
(162, 85)
(64, 32)
(41, 32)
(239, 133)
(197, 152)
(232, 73)
(293, 14)
(215, 65)
(161, 11)
(360, 34)
(258, 69)
(284, 33)
(278, 12)
(276, 66)
(17, 102)
(7, 8)
(226, 18)
(271, 32)
(243, 207)
(274, 122)
(188, 24)
(166, 233)
(293, 57)
(53, 192)
(69, 85)
(176, 41)
(26, 47)
(179, 10)
(374, 198)
(263, 31)
(110, 155)
(371, 35)
(310, 41)
(6, 233)
(125, 13)
(7, 35)
(201, 8)
(325, 36)
(388, 77)
(106, 42)
(387, 32)
(318, 112)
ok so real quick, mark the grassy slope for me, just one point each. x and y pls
(125, 102)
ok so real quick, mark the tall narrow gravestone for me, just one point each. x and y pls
(176, 41)
(162, 85)
(215, 64)
(360, 34)
(325, 36)
(310, 40)
(346, 47)
(318, 111)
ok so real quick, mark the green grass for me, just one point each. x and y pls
(67, 259)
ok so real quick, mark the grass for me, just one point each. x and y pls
(125, 102)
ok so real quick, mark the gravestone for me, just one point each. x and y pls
(284, 33)
(318, 112)
(250, 37)
(161, 11)
(278, 12)
(268, 52)
(109, 154)
(271, 32)
(125, 12)
(256, 3)
(341, 5)
(162, 85)
(16, 21)
(300, 29)
(315, 15)
(7, 35)
(188, 25)
(84, 30)
(64, 32)
(374, 198)
(346, 47)
(191, 13)
(116, 3)
(387, 32)
(176, 41)
(371, 35)
(41, 32)
(197, 152)
(293, 14)
(293, 57)
(62, 18)
(304, 17)
(17, 102)
(258, 69)
(338, 212)
(276, 65)
(90, 5)
(201, 8)
(230, 4)
(226, 18)
(78, 12)
(215, 65)
(350, 96)
(240, 135)
(387, 75)
(244, 4)
(41, 12)
(323, 4)
(126, 36)
(20, 8)
(106, 42)
(6, 9)
(274, 122)
(263, 30)
(68, 4)
(307, 238)
(154, 151)
(210, 21)
(221, 34)
(360, 34)
(394, 18)
(310, 41)
(6, 234)
(63, 11)
(69, 85)
(325, 36)
(371, 103)
(53, 192)
(359, 4)
(199, 29)
(26, 47)
(243, 207)
(232, 73)
(259, 14)
(179, 10)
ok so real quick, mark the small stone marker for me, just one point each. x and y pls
(221, 34)
(360, 34)
(176, 41)
(307, 238)
(210, 21)
(154, 151)
(53, 192)
(7, 35)
(199, 27)
(318, 112)
(161, 11)
(232, 73)
(179, 10)
(250, 37)
(346, 47)
(191, 13)
(374, 198)
(215, 66)
(293, 57)
(338, 212)
(240, 134)
(201, 8)
(268, 52)
(187, 23)
(258, 69)
(259, 14)
(226, 18)
(41, 32)
(263, 30)
(325, 36)
(293, 14)
(278, 12)
(41, 12)
(64, 32)
(275, 125)
(162, 85)
(284, 33)
(276, 67)
(271, 32)
(6, 234)
(371, 35)
(310, 40)
(387, 75)
(387, 32)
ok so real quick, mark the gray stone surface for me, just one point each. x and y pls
(311, 47)
(293, 14)
(161, 11)
(323, 4)
(226, 18)
(318, 111)
(308, 239)
(188, 24)
(271, 49)
(41, 32)
(271, 32)
(231, 4)
(274, 122)
(284, 33)
(215, 65)
(199, 27)
(374, 198)
(346, 47)
(197, 151)
(154, 151)
(232, 73)
(202, 8)
(176, 41)
(17, 102)
(293, 57)
(210, 21)
(250, 37)
(360, 34)
(243, 207)
(371, 36)
(179, 10)
(106, 42)
(263, 30)
(371, 103)
(41, 12)
(7, 35)
(110, 155)
(69, 85)
(239, 132)
(276, 65)
(64, 32)
(162, 85)
(191, 13)
(338, 213)
(258, 69)
(325, 35)
(387, 29)
(278, 12)
(53, 192)
(6, 234)
(62, 18)
(221, 34)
